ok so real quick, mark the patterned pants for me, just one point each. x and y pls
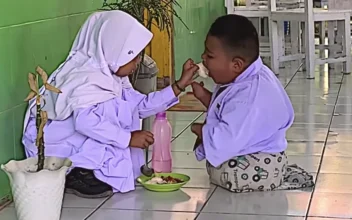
(259, 172)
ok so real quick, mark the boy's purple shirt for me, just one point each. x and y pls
(251, 115)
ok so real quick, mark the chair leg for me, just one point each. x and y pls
(347, 44)
(340, 40)
(274, 49)
(303, 43)
(295, 47)
(310, 49)
(281, 42)
(321, 43)
(322, 38)
(331, 41)
(266, 26)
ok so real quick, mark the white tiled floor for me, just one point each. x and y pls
(320, 141)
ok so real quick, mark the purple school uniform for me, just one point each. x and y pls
(97, 137)
(251, 115)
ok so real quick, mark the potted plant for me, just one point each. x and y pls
(159, 13)
(38, 183)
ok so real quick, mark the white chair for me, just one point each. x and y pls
(332, 25)
(308, 16)
(258, 11)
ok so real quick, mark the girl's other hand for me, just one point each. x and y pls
(141, 139)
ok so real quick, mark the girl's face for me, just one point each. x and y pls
(129, 68)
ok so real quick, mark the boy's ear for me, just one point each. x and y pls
(237, 64)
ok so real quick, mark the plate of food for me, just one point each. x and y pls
(163, 182)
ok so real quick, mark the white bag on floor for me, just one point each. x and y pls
(37, 195)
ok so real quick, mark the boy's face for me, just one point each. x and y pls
(223, 68)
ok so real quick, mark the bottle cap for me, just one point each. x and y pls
(161, 115)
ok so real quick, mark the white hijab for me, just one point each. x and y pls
(106, 41)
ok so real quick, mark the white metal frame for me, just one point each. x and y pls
(302, 32)
(255, 15)
(255, 11)
(308, 15)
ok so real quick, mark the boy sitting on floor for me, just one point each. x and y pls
(244, 136)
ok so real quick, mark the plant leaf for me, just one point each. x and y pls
(30, 96)
(42, 74)
(32, 82)
(52, 88)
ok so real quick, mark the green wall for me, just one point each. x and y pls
(198, 15)
(41, 34)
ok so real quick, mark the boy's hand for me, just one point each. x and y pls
(188, 72)
(196, 128)
(141, 139)
(198, 89)
(197, 143)
(201, 93)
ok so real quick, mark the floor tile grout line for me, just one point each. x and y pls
(324, 148)
(206, 202)
(327, 218)
(250, 214)
(197, 213)
(303, 141)
(187, 126)
(293, 76)
(98, 207)
(148, 210)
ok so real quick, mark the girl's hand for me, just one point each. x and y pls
(189, 70)
(141, 139)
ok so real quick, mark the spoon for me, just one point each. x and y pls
(145, 169)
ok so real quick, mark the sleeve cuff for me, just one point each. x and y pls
(124, 138)
(208, 146)
(169, 97)
(199, 152)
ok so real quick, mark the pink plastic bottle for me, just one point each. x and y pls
(162, 160)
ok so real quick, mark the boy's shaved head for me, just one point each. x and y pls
(238, 36)
(231, 46)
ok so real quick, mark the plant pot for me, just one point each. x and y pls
(38, 195)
